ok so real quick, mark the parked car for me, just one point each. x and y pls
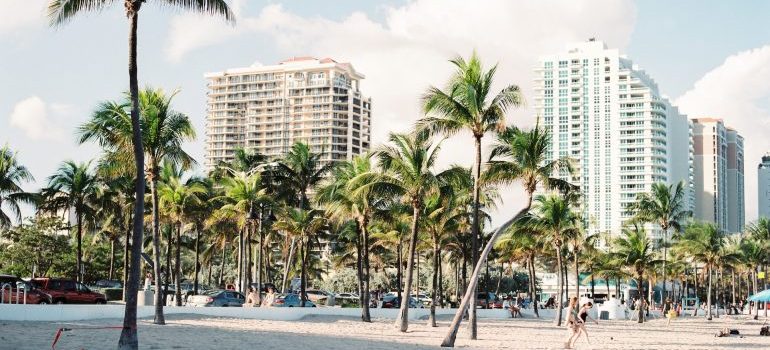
(108, 284)
(320, 297)
(13, 286)
(423, 298)
(188, 287)
(67, 291)
(290, 300)
(218, 297)
(391, 301)
(485, 301)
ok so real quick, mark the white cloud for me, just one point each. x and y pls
(37, 119)
(737, 91)
(408, 51)
(18, 14)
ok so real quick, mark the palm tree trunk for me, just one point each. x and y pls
(475, 228)
(222, 266)
(303, 248)
(440, 280)
(79, 273)
(126, 248)
(708, 296)
(159, 296)
(577, 276)
(365, 316)
(500, 278)
(559, 287)
(112, 258)
(640, 288)
(128, 336)
(260, 256)
(287, 266)
(449, 339)
(695, 287)
(197, 259)
(399, 264)
(432, 318)
(178, 266)
(402, 321)
(169, 270)
(665, 260)
(360, 270)
(533, 295)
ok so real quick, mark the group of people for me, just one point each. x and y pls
(253, 299)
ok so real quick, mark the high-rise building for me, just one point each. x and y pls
(719, 174)
(269, 108)
(763, 189)
(607, 114)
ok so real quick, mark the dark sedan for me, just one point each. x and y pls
(220, 297)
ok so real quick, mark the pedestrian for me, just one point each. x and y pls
(269, 297)
(583, 317)
(572, 322)
(252, 299)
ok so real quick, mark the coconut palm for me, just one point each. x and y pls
(665, 205)
(706, 245)
(177, 199)
(521, 243)
(555, 218)
(298, 172)
(61, 11)
(74, 187)
(407, 164)
(303, 225)
(517, 156)
(163, 130)
(632, 251)
(466, 105)
(12, 175)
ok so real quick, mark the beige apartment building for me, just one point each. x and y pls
(269, 108)
(718, 167)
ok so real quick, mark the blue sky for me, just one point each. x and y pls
(708, 56)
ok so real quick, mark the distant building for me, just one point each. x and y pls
(719, 175)
(608, 115)
(269, 108)
(763, 204)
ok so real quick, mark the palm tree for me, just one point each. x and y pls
(163, 130)
(344, 201)
(303, 225)
(297, 173)
(59, 12)
(73, 187)
(556, 220)
(466, 105)
(517, 156)
(177, 199)
(633, 252)
(12, 174)
(666, 206)
(705, 244)
(523, 244)
(407, 165)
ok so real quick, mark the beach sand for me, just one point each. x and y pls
(197, 332)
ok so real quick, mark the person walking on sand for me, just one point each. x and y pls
(572, 322)
(269, 298)
(583, 317)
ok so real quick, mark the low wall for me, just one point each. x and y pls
(9, 312)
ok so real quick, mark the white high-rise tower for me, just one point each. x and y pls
(608, 116)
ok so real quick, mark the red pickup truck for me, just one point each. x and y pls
(67, 291)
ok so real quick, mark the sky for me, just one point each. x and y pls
(712, 58)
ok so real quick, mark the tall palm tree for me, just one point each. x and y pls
(467, 104)
(61, 11)
(163, 130)
(407, 164)
(705, 244)
(303, 225)
(73, 188)
(556, 219)
(517, 156)
(665, 205)
(295, 174)
(633, 252)
(344, 201)
(12, 175)
(177, 199)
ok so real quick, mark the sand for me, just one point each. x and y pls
(196, 332)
